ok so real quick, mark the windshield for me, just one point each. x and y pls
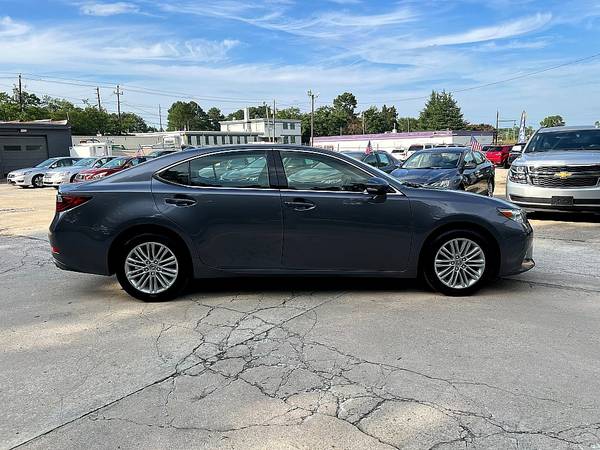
(565, 140)
(47, 163)
(117, 162)
(85, 162)
(433, 160)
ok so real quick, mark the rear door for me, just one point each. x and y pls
(225, 203)
(331, 223)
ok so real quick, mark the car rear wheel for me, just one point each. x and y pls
(152, 268)
(38, 181)
(458, 263)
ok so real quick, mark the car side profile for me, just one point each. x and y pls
(378, 158)
(458, 168)
(62, 175)
(280, 210)
(113, 166)
(34, 176)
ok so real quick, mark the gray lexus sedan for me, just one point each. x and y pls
(559, 169)
(280, 210)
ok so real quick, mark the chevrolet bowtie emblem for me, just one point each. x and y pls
(563, 175)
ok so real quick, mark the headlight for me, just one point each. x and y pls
(26, 172)
(442, 184)
(515, 214)
(518, 174)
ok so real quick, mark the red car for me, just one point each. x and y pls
(113, 166)
(498, 154)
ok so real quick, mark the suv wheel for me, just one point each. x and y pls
(152, 268)
(458, 263)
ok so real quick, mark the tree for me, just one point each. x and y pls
(406, 124)
(343, 112)
(480, 127)
(214, 117)
(552, 121)
(254, 112)
(441, 112)
(187, 116)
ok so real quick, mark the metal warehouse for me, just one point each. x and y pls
(25, 144)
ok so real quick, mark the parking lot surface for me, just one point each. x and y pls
(299, 363)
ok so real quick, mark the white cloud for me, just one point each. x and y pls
(10, 28)
(108, 9)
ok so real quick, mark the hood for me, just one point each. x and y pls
(423, 176)
(59, 170)
(27, 169)
(98, 170)
(567, 158)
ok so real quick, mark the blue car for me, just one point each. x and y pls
(280, 210)
(458, 168)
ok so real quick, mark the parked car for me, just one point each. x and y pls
(34, 176)
(308, 212)
(67, 174)
(559, 169)
(159, 153)
(498, 154)
(378, 158)
(515, 152)
(458, 168)
(113, 166)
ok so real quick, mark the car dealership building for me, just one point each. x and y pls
(396, 141)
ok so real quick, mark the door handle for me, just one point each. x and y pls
(180, 201)
(300, 205)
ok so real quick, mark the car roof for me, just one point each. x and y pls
(567, 128)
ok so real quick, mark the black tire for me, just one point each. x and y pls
(431, 250)
(38, 181)
(184, 268)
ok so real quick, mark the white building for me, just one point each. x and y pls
(401, 141)
(287, 131)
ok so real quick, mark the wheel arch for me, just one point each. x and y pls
(138, 229)
(462, 225)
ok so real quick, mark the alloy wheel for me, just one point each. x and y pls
(151, 267)
(38, 181)
(459, 263)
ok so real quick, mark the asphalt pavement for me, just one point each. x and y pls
(299, 363)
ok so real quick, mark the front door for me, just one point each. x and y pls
(330, 223)
(225, 203)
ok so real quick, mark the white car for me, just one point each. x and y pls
(34, 176)
(63, 175)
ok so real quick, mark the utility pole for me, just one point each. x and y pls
(267, 123)
(497, 125)
(363, 121)
(408, 126)
(98, 98)
(160, 118)
(119, 92)
(312, 96)
(20, 95)
(274, 109)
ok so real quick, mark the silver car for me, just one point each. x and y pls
(34, 176)
(62, 175)
(559, 169)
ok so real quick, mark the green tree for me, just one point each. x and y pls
(405, 124)
(480, 127)
(254, 112)
(214, 117)
(552, 121)
(377, 121)
(187, 116)
(441, 112)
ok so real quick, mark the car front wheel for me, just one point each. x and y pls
(38, 181)
(152, 268)
(458, 263)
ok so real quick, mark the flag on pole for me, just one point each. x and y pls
(369, 149)
(475, 145)
(522, 137)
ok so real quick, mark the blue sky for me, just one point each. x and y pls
(231, 53)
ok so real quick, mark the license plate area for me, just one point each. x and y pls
(560, 200)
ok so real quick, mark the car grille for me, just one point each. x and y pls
(565, 176)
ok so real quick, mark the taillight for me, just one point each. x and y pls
(66, 202)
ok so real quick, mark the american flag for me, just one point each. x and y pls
(369, 149)
(475, 145)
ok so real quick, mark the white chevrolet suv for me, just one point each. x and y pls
(559, 169)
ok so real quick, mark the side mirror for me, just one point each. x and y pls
(469, 165)
(377, 186)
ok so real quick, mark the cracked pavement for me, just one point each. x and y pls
(296, 363)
